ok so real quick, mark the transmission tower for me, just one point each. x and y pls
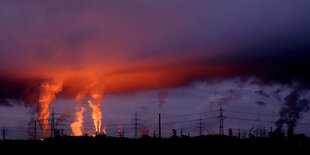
(200, 126)
(3, 134)
(221, 117)
(53, 124)
(35, 129)
(159, 126)
(136, 125)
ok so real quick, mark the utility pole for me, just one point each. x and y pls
(159, 126)
(35, 129)
(200, 126)
(3, 134)
(52, 124)
(221, 117)
(136, 125)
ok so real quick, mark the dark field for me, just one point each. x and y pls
(212, 143)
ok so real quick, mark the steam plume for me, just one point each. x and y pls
(292, 108)
(48, 93)
(77, 125)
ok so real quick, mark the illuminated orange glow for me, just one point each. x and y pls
(96, 115)
(90, 133)
(48, 91)
(121, 78)
(92, 82)
(77, 125)
(120, 130)
(104, 131)
(95, 92)
(143, 129)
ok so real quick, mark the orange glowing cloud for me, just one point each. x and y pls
(118, 79)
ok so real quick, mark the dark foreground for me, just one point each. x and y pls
(149, 145)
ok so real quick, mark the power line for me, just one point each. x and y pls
(185, 121)
(3, 133)
(173, 121)
(188, 114)
(249, 113)
(247, 119)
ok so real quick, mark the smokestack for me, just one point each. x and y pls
(3, 134)
(159, 126)
(35, 129)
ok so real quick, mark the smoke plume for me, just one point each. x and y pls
(292, 108)
(77, 125)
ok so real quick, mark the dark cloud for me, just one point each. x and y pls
(143, 45)
(4, 102)
(262, 93)
(276, 94)
(261, 103)
(18, 89)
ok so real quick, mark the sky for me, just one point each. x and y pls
(174, 57)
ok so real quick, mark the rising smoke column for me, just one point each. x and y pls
(96, 114)
(95, 93)
(48, 91)
(96, 107)
(77, 125)
(291, 109)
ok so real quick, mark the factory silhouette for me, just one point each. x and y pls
(257, 136)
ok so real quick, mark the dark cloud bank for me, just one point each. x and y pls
(264, 40)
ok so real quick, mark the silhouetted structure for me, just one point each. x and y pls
(136, 125)
(221, 117)
(3, 133)
(159, 126)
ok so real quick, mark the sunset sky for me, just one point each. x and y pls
(174, 57)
